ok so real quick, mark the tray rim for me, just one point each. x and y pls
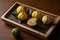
(39, 33)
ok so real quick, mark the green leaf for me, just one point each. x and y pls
(38, 21)
(29, 12)
(19, 21)
(15, 15)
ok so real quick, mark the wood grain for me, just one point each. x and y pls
(52, 6)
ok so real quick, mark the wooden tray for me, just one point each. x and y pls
(43, 32)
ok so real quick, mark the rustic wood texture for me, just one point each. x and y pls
(47, 5)
(9, 21)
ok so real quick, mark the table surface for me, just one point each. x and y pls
(52, 6)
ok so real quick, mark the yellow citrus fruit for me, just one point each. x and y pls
(36, 14)
(20, 9)
(32, 21)
(22, 16)
(46, 19)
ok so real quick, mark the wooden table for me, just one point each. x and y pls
(52, 6)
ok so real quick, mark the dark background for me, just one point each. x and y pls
(52, 6)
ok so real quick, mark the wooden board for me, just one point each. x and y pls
(9, 19)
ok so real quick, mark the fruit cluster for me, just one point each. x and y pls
(24, 13)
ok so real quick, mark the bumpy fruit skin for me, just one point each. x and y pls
(22, 16)
(46, 19)
(20, 9)
(16, 32)
(32, 21)
(36, 14)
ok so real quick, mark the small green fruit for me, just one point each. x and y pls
(16, 32)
